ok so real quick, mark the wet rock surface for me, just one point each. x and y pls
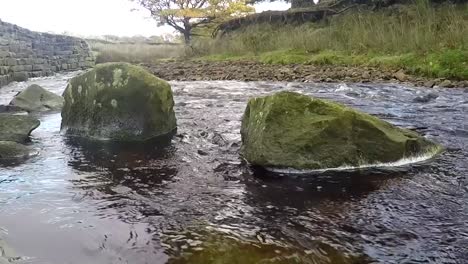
(254, 71)
(16, 128)
(37, 99)
(12, 150)
(118, 101)
(291, 130)
(113, 203)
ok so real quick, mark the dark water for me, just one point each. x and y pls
(86, 202)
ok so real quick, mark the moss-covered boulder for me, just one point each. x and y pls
(16, 128)
(290, 130)
(36, 99)
(118, 101)
(12, 150)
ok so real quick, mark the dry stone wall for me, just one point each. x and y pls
(25, 53)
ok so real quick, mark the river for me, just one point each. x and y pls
(86, 202)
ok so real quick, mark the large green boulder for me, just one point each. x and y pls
(290, 130)
(118, 101)
(16, 128)
(36, 99)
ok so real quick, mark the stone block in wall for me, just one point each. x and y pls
(28, 68)
(36, 74)
(20, 76)
(38, 61)
(4, 80)
(11, 62)
(3, 70)
(39, 67)
(17, 68)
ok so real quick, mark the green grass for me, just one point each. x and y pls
(451, 64)
(421, 39)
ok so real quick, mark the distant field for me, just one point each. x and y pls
(134, 52)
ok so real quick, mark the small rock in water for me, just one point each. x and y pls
(429, 83)
(37, 99)
(425, 98)
(446, 84)
(218, 139)
(202, 152)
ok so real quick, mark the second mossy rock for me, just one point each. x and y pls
(118, 101)
(37, 99)
(291, 130)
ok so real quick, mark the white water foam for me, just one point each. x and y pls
(399, 163)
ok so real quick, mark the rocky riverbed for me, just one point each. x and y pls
(254, 71)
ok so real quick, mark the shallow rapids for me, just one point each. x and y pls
(80, 201)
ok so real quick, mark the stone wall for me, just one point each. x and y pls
(25, 53)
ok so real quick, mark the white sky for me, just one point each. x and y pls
(89, 17)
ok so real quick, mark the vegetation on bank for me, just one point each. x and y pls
(134, 52)
(421, 39)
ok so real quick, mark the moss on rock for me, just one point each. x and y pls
(118, 101)
(290, 130)
(36, 98)
(13, 150)
(16, 127)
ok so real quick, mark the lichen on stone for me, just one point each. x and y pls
(290, 130)
(123, 102)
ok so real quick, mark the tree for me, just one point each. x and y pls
(185, 15)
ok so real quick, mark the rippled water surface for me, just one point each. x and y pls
(86, 202)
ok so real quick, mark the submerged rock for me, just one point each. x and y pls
(425, 98)
(16, 128)
(13, 150)
(35, 98)
(222, 248)
(118, 101)
(290, 130)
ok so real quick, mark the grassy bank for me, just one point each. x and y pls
(134, 53)
(421, 39)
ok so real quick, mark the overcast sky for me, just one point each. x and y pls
(89, 17)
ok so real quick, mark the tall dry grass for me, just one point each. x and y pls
(134, 53)
(416, 28)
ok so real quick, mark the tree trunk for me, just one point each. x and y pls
(187, 31)
(187, 37)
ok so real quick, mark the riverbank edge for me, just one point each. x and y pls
(250, 70)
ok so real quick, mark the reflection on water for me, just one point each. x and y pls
(191, 199)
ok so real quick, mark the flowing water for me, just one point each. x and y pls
(89, 202)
